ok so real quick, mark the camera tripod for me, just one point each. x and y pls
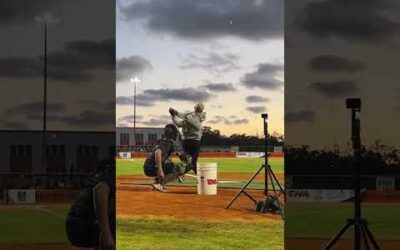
(361, 230)
(271, 202)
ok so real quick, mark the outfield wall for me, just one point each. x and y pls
(208, 155)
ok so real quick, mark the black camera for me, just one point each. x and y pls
(265, 116)
(353, 103)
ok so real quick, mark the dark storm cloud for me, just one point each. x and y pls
(212, 62)
(70, 64)
(256, 109)
(104, 47)
(156, 122)
(231, 120)
(129, 119)
(150, 97)
(89, 117)
(96, 104)
(361, 20)
(15, 125)
(300, 116)
(56, 113)
(16, 11)
(20, 67)
(141, 100)
(334, 89)
(181, 94)
(219, 87)
(85, 55)
(264, 77)
(34, 108)
(203, 19)
(131, 66)
(256, 99)
(332, 63)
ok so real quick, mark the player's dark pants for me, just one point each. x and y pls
(170, 171)
(192, 148)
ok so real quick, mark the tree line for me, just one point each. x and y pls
(213, 137)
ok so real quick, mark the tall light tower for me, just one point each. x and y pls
(45, 20)
(134, 81)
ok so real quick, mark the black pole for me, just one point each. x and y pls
(134, 113)
(355, 128)
(265, 117)
(44, 163)
(361, 230)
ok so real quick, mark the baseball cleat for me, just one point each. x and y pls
(158, 187)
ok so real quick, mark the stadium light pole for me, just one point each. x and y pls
(45, 20)
(134, 81)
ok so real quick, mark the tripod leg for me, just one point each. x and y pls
(276, 196)
(364, 236)
(250, 197)
(337, 236)
(370, 236)
(244, 187)
(276, 179)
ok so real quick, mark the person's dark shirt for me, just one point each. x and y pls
(84, 208)
(167, 148)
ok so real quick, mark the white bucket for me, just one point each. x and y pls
(207, 178)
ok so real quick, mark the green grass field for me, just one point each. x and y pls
(321, 220)
(167, 234)
(32, 225)
(225, 165)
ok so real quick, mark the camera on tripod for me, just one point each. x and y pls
(353, 103)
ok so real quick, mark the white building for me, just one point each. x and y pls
(70, 157)
(144, 138)
(66, 150)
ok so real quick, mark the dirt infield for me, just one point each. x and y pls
(315, 244)
(183, 203)
(221, 176)
(38, 247)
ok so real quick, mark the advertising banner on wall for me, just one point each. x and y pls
(319, 195)
(125, 155)
(385, 183)
(249, 154)
(21, 196)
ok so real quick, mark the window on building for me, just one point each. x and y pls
(124, 139)
(152, 139)
(20, 158)
(139, 139)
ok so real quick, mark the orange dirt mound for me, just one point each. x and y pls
(183, 203)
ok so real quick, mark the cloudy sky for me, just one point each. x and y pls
(336, 49)
(81, 59)
(227, 54)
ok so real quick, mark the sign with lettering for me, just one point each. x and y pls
(21, 196)
(318, 195)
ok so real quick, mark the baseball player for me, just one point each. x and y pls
(191, 124)
(158, 164)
